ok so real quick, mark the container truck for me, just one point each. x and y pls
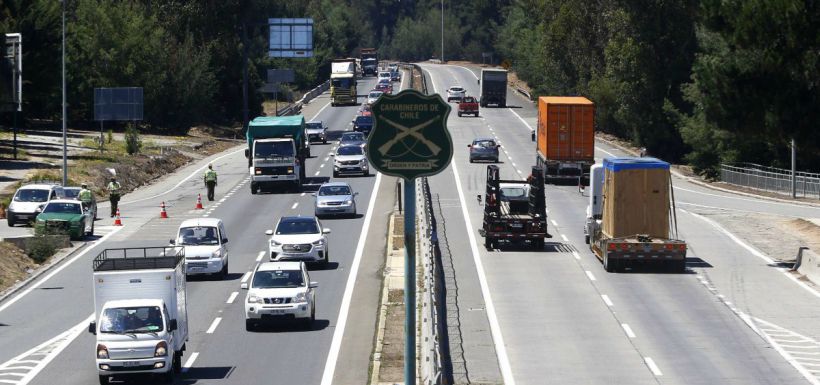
(277, 149)
(565, 138)
(631, 215)
(343, 82)
(370, 61)
(140, 311)
(514, 210)
(493, 87)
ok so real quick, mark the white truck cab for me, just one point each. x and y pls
(205, 243)
(140, 312)
(596, 184)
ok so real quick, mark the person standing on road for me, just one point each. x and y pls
(210, 181)
(85, 196)
(114, 195)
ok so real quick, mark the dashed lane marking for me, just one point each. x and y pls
(564, 237)
(653, 366)
(607, 301)
(232, 297)
(260, 256)
(188, 364)
(589, 275)
(628, 331)
(554, 223)
(294, 206)
(245, 277)
(214, 324)
(316, 174)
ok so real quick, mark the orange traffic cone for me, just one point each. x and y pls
(118, 222)
(162, 212)
(199, 202)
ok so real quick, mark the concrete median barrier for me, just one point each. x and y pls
(810, 265)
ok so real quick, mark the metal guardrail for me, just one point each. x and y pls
(771, 179)
(436, 368)
(295, 108)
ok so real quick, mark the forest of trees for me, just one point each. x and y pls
(698, 81)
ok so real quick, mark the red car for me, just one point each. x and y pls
(468, 106)
(386, 88)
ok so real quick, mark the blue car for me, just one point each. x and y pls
(484, 149)
(363, 124)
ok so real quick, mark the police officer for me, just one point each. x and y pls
(114, 194)
(85, 196)
(210, 181)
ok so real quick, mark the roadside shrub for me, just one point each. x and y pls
(133, 143)
(40, 248)
(110, 136)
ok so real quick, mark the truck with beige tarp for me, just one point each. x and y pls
(631, 215)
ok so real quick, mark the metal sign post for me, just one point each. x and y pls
(410, 140)
(13, 56)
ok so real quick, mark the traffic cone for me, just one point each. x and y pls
(118, 222)
(162, 212)
(199, 202)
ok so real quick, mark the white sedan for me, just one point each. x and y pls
(456, 92)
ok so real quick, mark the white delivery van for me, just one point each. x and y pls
(140, 314)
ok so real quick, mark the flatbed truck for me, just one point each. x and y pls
(514, 210)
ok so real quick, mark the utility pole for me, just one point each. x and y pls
(442, 31)
(794, 169)
(65, 133)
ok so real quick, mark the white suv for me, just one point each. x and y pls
(204, 240)
(299, 239)
(280, 290)
(28, 201)
(456, 92)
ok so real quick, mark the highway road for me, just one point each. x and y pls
(43, 334)
(556, 316)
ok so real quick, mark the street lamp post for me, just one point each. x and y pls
(442, 31)
(65, 135)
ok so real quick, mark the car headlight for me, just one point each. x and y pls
(274, 243)
(161, 349)
(254, 299)
(300, 298)
(319, 242)
(102, 352)
(348, 202)
(217, 254)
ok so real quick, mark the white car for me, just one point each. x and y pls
(28, 201)
(280, 290)
(350, 159)
(456, 92)
(204, 240)
(373, 96)
(299, 239)
(384, 75)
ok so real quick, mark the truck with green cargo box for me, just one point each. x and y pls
(277, 149)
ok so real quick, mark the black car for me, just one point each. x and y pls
(363, 124)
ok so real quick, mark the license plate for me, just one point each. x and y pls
(517, 225)
(277, 311)
(129, 364)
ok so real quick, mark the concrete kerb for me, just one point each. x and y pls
(55, 260)
(713, 187)
(375, 363)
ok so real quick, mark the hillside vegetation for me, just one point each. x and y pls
(703, 81)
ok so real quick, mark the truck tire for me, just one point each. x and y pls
(253, 188)
(586, 239)
(177, 364)
(489, 243)
(538, 244)
(609, 266)
(459, 114)
(103, 380)
(10, 219)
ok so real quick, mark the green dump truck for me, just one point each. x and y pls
(277, 149)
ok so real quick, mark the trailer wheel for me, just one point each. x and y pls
(253, 188)
(489, 243)
(538, 244)
(609, 266)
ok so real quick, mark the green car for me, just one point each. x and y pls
(62, 216)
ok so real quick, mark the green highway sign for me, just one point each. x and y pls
(410, 137)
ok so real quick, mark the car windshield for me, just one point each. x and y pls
(273, 149)
(140, 319)
(513, 192)
(350, 150)
(469, 99)
(374, 95)
(70, 193)
(456, 89)
(364, 119)
(31, 195)
(313, 126)
(300, 226)
(334, 190)
(484, 144)
(269, 279)
(342, 83)
(197, 236)
(352, 137)
(63, 208)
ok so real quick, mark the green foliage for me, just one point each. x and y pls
(110, 136)
(133, 143)
(41, 247)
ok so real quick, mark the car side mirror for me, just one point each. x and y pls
(314, 194)
(247, 153)
(92, 328)
(533, 135)
(269, 232)
(469, 145)
(174, 325)
(355, 193)
(224, 240)
(325, 231)
(332, 154)
(243, 286)
(313, 285)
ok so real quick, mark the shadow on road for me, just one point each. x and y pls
(290, 326)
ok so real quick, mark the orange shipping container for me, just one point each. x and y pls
(566, 128)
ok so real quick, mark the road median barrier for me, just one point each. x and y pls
(808, 264)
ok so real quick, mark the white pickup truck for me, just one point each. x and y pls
(140, 313)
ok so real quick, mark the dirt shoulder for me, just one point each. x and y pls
(15, 265)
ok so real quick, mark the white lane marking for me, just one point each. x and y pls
(653, 367)
(214, 324)
(45, 352)
(196, 172)
(223, 199)
(564, 237)
(232, 297)
(495, 327)
(338, 333)
(302, 194)
(576, 255)
(628, 330)
(327, 158)
(590, 276)
(601, 149)
(245, 277)
(188, 364)
(759, 201)
(730, 209)
(261, 255)
(756, 253)
(554, 223)
(321, 165)
(294, 205)
(316, 174)
(607, 301)
(37, 283)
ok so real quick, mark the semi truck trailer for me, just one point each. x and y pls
(565, 138)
